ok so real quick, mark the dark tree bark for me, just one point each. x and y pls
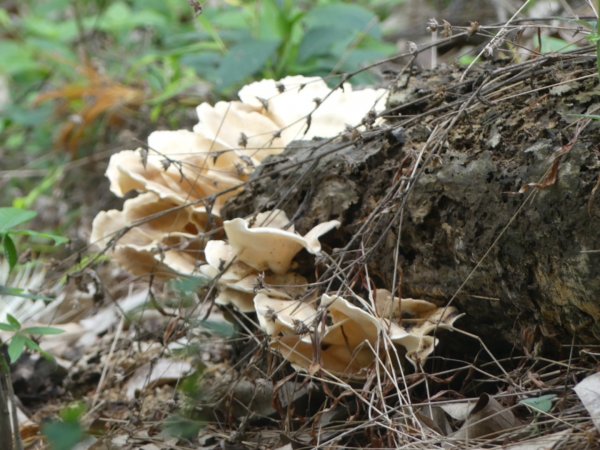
(453, 169)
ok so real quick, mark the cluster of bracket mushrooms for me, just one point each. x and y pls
(173, 227)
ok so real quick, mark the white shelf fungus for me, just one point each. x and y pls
(185, 177)
(279, 317)
(288, 102)
(272, 248)
(348, 346)
(178, 168)
(160, 236)
(209, 163)
(260, 261)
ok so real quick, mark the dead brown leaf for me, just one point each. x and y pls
(98, 97)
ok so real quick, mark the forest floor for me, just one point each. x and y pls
(142, 366)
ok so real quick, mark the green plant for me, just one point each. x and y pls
(80, 71)
(539, 405)
(276, 38)
(10, 219)
(23, 338)
(96, 60)
(65, 433)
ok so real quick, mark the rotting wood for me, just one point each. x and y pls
(9, 427)
(447, 174)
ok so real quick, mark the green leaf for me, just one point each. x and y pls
(237, 18)
(118, 18)
(35, 347)
(74, 412)
(8, 327)
(539, 404)
(10, 251)
(183, 427)
(205, 64)
(271, 20)
(190, 284)
(4, 19)
(244, 60)
(58, 240)
(221, 329)
(11, 217)
(359, 57)
(466, 60)
(18, 292)
(320, 41)
(24, 116)
(551, 44)
(48, 183)
(587, 24)
(175, 87)
(352, 18)
(16, 347)
(32, 345)
(13, 321)
(63, 435)
(21, 56)
(50, 30)
(43, 331)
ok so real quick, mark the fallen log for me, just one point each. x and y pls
(478, 190)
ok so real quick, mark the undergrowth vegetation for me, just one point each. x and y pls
(83, 78)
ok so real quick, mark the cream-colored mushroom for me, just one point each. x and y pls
(411, 321)
(284, 317)
(159, 235)
(340, 361)
(419, 317)
(222, 266)
(285, 286)
(275, 218)
(355, 324)
(240, 293)
(242, 301)
(221, 257)
(238, 282)
(178, 167)
(345, 348)
(289, 101)
(349, 346)
(240, 130)
(269, 248)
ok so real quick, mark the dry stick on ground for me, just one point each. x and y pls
(10, 436)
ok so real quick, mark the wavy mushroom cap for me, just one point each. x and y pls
(271, 248)
(241, 131)
(178, 167)
(158, 235)
(411, 321)
(289, 102)
(283, 317)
